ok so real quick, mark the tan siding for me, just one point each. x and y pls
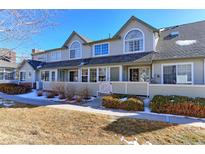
(182, 90)
(116, 47)
(198, 69)
(27, 68)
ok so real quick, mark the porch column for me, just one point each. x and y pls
(4, 76)
(121, 73)
(79, 74)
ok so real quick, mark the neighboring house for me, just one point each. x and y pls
(7, 66)
(139, 59)
(7, 55)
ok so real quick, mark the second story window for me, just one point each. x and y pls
(75, 50)
(133, 41)
(101, 49)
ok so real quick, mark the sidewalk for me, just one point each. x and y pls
(139, 115)
(95, 107)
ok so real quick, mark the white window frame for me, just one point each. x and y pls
(120, 72)
(93, 49)
(73, 70)
(175, 64)
(143, 44)
(20, 75)
(96, 74)
(103, 67)
(85, 75)
(136, 67)
(80, 50)
(53, 54)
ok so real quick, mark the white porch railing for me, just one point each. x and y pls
(133, 88)
(136, 88)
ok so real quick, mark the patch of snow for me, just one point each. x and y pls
(123, 99)
(135, 142)
(185, 42)
(33, 95)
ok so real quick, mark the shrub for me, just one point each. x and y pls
(13, 89)
(39, 93)
(61, 96)
(131, 104)
(85, 93)
(179, 105)
(58, 88)
(69, 92)
(50, 95)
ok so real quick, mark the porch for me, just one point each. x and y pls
(114, 73)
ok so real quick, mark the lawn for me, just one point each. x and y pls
(42, 125)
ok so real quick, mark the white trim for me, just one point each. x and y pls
(137, 67)
(105, 73)
(175, 64)
(120, 73)
(70, 49)
(72, 70)
(93, 49)
(204, 71)
(81, 74)
(143, 37)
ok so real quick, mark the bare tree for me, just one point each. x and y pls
(20, 25)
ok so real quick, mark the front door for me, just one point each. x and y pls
(73, 75)
(134, 74)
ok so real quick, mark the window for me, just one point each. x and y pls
(73, 76)
(29, 74)
(53, 76)
(45, 75)
(9, 74)
(1, 73)
(102, 74)
(114, 74)
(22, 76)
(141, 74)
(54, 55)
(84, 75)
(93, 75)
(134, 41)
(63, 75)
(177, 74)
(101, 49)
(75, 50)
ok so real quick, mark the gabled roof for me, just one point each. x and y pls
(168, 48)
(138, 20)
(33, 63)
(86, 40)
(7, 64)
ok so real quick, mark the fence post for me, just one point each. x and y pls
(125, 87)
(148, 89)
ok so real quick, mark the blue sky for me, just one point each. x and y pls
(97, 24)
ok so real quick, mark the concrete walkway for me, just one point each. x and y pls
(139, 115)
(95, 107)
(31, 101)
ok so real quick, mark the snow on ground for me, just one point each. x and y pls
(33, 95)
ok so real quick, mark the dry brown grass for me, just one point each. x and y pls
(41, 125)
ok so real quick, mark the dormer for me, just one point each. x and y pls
(75, 46)
(137, 36)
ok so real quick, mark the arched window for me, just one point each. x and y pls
(75, 50)
(134, 41)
